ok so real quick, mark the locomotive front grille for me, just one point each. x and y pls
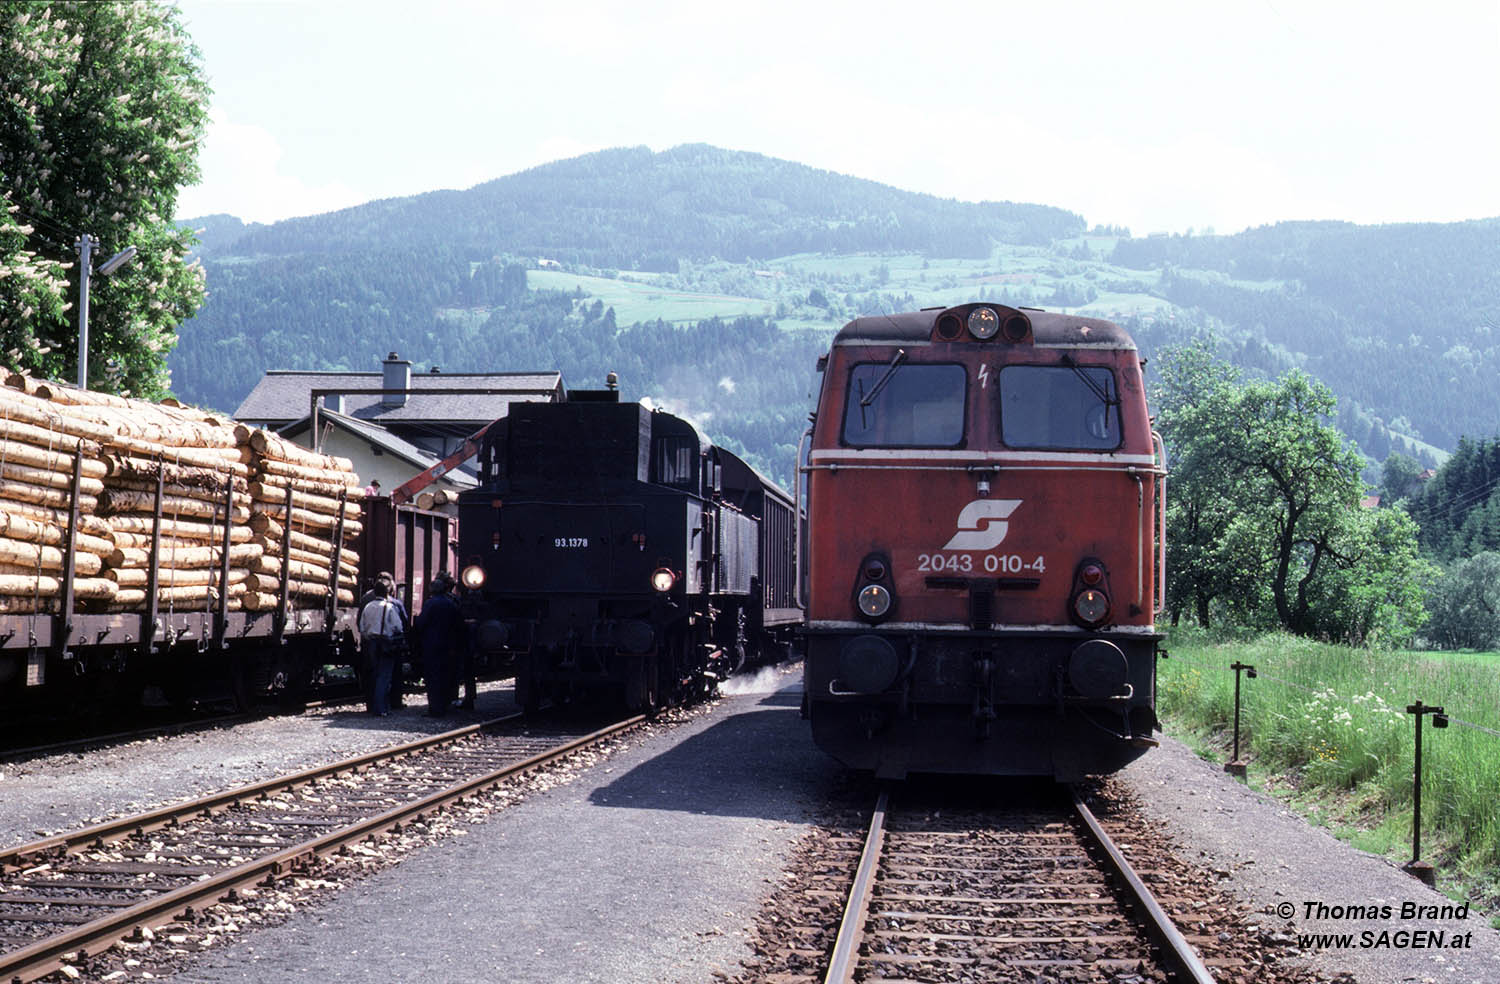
(981, 606)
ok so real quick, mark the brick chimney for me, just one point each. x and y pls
(396, 375)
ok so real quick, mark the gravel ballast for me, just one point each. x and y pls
(46, 795)
(1267, 855)
(651, 863)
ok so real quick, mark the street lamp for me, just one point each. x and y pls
(86, 244)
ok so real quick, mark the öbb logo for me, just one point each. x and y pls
(982, 525)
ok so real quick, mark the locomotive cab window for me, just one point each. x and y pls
(1068, 408)
(674, 461)
(905, 405)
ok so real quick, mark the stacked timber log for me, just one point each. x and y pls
(38, 448)
(213, 478)
(300, 503)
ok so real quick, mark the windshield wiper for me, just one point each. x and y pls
(890, 371)
(1094, 387)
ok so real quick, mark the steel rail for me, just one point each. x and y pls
(46, 956)
(111, 830)
(1185, 963)
(857, 908)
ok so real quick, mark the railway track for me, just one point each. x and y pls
(74, 894)
(981, 894)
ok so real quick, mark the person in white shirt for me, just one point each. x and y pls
(379, 631)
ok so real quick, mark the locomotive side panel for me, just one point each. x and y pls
(738, 560)
(778, 564)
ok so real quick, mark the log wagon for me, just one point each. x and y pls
(152, 550)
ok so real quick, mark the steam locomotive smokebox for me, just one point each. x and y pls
(1098, 669)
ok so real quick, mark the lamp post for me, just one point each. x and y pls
(86, 244)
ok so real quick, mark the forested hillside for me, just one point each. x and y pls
(631, 209)
(1403, 321)
(551, 268)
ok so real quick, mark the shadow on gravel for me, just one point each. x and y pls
(759, 762)
(414, 717)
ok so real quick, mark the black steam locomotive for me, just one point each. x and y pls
(613, 550)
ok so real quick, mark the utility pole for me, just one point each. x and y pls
(85, 245)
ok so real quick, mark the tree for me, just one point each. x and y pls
(1465, 604)
(1398, 476)
(1375, 592)
(102, 108)
(1206, 562)
(1267, 515)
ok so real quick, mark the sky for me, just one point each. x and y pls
(1159, 116)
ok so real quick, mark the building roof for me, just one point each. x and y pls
(285, 395)
(383, 439)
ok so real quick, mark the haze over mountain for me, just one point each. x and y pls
(710, 279)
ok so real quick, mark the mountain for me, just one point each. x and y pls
(1402, 321)
(632, 209)
(711, 279)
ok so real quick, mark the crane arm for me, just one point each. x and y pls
(408, 490)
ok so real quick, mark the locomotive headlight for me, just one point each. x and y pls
(662, 579)
(983, 323)
(472, 577)
(1091, 606)
(874, 601)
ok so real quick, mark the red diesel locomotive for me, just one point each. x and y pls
(985, 550)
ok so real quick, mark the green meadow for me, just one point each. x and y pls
(1326, 727)
(641, 298)
(780, 287)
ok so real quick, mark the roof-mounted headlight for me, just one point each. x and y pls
(984, 322)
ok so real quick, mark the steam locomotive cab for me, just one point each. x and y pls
(985, 516)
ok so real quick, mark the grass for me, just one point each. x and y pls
(634, 300)
(1029, 273)
(1326, 727)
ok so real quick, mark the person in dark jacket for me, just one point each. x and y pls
(440, 634)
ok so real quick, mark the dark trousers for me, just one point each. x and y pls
(467, 678)
(380, 662)
(398, 677)
(440, 670)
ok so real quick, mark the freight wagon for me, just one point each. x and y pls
(157, 551)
